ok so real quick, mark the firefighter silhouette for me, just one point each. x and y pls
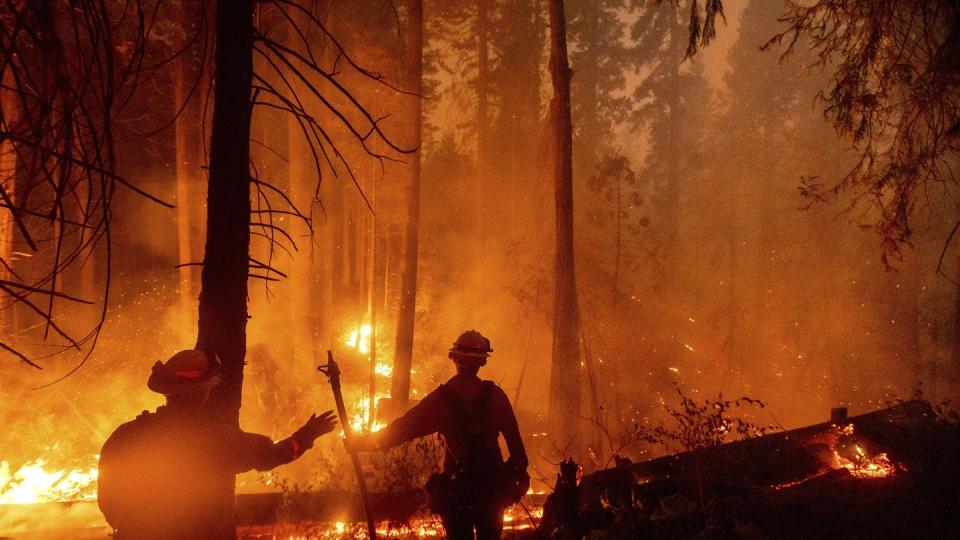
(170, 474)
(470, 414)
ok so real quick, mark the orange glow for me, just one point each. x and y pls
(863, 466)
(360, 414)
(860, 463)
(37, 482)
(359, 339)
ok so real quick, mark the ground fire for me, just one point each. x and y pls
(534, 269)
(807, 464)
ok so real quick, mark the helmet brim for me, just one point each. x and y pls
(469, 354)
(163, 384)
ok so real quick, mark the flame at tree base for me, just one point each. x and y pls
(35, 482)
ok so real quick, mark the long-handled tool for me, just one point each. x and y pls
(332, 371)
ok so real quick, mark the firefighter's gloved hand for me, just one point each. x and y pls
(315, 427)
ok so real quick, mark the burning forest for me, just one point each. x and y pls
(493, 268)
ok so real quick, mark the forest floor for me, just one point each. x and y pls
(893, 473)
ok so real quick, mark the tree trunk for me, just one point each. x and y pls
(565, 365)
(956, 316)
(223, 281)
(403, 355)
(188, 158)
(9, 110)
(371, 273)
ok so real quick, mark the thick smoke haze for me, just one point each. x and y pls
(700, 264)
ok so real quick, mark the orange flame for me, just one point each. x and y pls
(36, 482)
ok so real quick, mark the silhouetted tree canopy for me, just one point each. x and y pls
(893, 93)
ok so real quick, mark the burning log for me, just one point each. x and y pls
(884, 471)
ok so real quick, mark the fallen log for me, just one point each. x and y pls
(887, 472)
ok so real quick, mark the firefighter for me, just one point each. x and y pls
(470, 414)
(170, 474)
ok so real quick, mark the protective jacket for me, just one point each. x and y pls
(435, 414)
(166, 475)
(470, 415)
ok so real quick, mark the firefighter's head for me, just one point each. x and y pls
(186, 378)
(470, 351)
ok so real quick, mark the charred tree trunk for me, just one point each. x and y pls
(223, 281)
(565, 365)
(403, 356)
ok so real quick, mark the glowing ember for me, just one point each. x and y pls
(859, 462)
(863, 466)
(34, 483)
(852, 455)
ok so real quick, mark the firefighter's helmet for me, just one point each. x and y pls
(184, 372)
(471, 344)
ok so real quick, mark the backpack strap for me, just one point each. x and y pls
(482, 403)
(453, 401)
(469, 424)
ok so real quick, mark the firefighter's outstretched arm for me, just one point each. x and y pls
(419, 421)
(254, 451)
(303, 438)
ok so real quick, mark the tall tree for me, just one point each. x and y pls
(516, 123)
(565, 372)
(227, 260)
(600, 59)
(403, 352)
(223, 280)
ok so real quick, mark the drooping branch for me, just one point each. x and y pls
(67, 69)
(894, 92)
